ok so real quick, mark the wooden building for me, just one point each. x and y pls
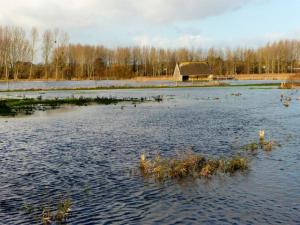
(192, 71)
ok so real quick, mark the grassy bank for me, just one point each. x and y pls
(11, 107)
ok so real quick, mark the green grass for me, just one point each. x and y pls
(11, 107)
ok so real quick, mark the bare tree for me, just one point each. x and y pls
(48, 43)
(61, 40)
(33, 42)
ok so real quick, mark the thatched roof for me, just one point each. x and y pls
(194, 68)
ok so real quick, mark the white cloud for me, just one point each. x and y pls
(183, 41)
(122, 21)
(174, 10)
(85, 13)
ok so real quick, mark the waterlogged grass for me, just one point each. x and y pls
(50, 214)
(59, 215)
(179, 85)
(189, 165)
(11, 107)
(262, 144)
(269, 145)
(250, 147)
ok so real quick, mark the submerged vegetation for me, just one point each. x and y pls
(189, 165)
(269, 145)
(59, 215)
(285, 100)
(50, 214)
(160, 86)
(11, 107)
(262, 144)
(194, 165)
(266, 146)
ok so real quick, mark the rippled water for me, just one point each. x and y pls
(88, 153)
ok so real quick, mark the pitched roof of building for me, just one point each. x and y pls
(194, 68)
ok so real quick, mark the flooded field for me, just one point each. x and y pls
(90, 154)
(17, 85)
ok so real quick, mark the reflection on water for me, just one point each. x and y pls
(94, 148)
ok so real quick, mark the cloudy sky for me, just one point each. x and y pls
(163, 23)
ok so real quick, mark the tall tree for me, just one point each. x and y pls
(48, 43)
(33, 45)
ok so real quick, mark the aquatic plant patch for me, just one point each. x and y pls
(190, 165)
(12, 107)
(50, 214)
(261, 145)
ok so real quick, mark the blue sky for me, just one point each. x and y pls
(163, 23)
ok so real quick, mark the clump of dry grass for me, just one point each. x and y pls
(210, 168)
(189, 165)
(235, 164)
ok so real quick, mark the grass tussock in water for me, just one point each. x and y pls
(189, 165)
(48, 215)
(264, 145)
(11, 107)
(59, 215)
(269, 145)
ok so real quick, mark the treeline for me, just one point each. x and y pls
(60, 59)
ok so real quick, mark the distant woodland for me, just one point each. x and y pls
(50, 55)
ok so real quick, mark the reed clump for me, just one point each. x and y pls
(189, 165)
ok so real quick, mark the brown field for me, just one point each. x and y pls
(270, 76)
(148, 78)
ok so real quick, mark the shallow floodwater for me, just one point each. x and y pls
(19, 85)
(88, 153)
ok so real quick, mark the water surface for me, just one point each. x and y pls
(87, 153)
